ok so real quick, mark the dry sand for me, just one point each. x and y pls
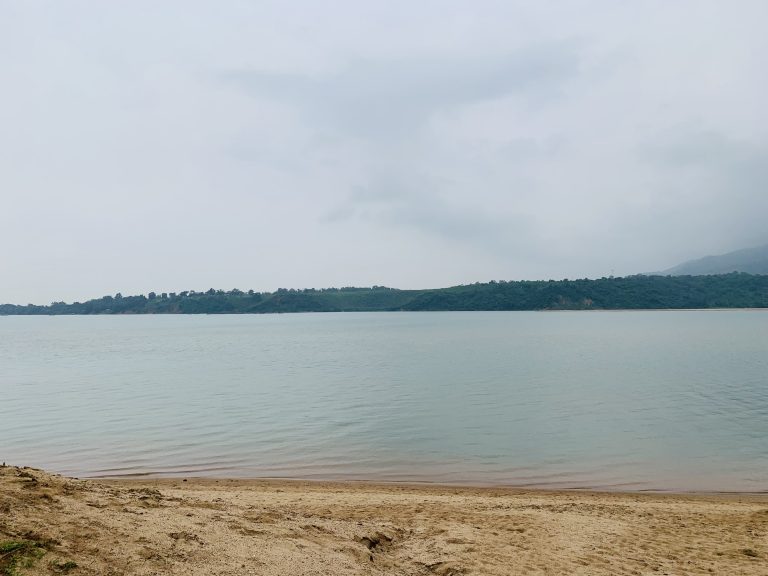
(300, 528)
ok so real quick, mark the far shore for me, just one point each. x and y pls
(544, 310)
(286, 527)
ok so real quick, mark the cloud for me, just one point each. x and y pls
(391, 110)
(396, 206)
(384, 100)
(712, 184)
(176, 145)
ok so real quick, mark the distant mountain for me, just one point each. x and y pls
(748, 260)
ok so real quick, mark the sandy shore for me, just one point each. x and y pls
(300, 528)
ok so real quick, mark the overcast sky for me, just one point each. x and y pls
(167, 145)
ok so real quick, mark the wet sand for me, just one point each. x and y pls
(203, 526)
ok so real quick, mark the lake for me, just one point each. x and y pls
(609, 400)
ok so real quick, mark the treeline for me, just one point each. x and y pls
(735, 290)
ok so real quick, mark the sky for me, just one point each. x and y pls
(183, 145)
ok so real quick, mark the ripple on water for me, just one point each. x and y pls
(640, 400)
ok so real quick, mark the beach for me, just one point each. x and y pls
(281, 527)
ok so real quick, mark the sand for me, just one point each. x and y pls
(198, 526)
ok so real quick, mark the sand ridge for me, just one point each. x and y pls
(228, 527)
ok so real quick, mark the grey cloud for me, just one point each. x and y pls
(686, 146)
(380, 99)
(733, 171)
(388, 104)
(716, 185)
(423, 211)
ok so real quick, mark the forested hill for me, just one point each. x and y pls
(634, 292)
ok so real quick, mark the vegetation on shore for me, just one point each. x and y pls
(735, 290)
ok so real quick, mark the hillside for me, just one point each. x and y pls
(748, 260)
(634, 292)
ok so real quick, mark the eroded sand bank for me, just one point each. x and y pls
(299, 528)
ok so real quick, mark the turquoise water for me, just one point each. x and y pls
(624, 400)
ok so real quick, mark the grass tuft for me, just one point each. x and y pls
(63, 567)
(16, 554)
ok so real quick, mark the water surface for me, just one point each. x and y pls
(625, 400)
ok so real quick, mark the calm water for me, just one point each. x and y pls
(629, 400)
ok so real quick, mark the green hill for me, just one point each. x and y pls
(735, 290)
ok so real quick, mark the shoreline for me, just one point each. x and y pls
(150, 477)
(301, 527)
(324, 312)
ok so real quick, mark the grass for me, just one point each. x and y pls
(18, 554)
(63, 567)
(23, 553)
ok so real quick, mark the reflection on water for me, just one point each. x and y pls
(631, 400)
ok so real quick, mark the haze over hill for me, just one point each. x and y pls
(748, 260)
